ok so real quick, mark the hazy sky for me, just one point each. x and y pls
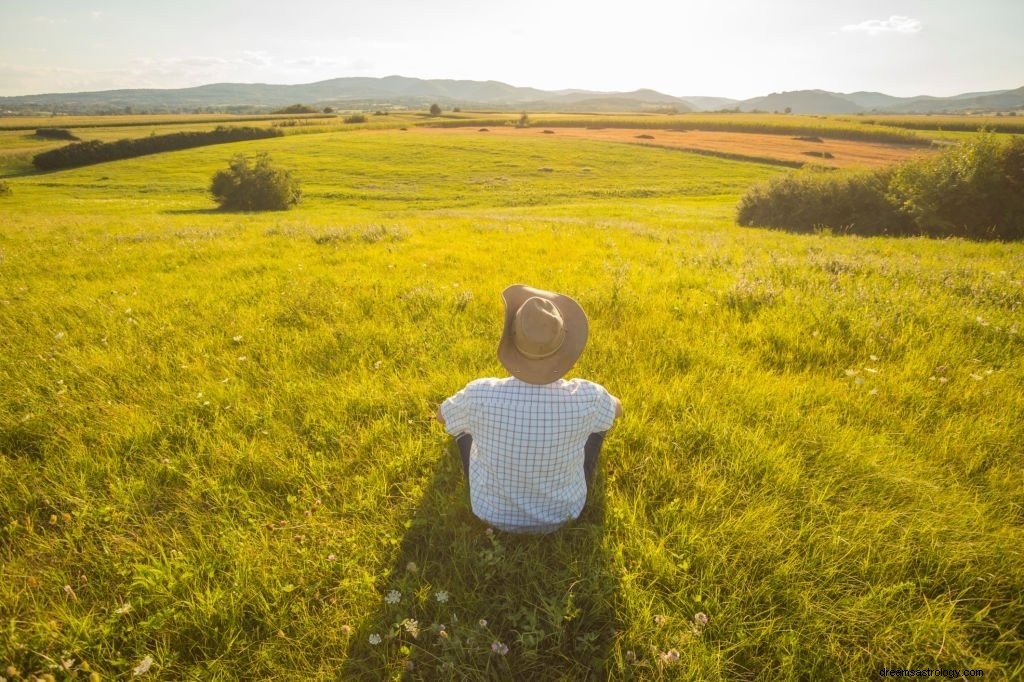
(729, 48)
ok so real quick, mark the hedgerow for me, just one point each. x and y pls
(94, 151)
(974, 190)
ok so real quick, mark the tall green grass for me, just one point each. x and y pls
(219, 458)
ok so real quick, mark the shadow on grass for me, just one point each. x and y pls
(197, 211)
(465, 592)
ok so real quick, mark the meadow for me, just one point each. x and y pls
(219, 459)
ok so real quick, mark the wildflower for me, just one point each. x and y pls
(346, 630)
(374, 639)
(441, 596)
(411, 567)
(483, 623)
(332, 557)
(242, 358)
(630, 656)
(143, 666)
(851, 372)
(411, 626)
(58, 336)
(443, 634)
(70, 592)
(123, 609)
(393, 597)
(874, 358)
(873, 391)
(670, 656)
(489, 531)
(660, 620)
(237, 339)
(499, 648)
(701, 619)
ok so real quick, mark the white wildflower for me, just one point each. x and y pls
(374, 639)
(393, 597)
(143, 666)
(441, 596)
(499, 648)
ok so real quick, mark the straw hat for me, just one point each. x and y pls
(544, 334)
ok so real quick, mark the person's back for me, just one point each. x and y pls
(530, 442)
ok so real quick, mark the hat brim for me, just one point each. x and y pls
(555, 366)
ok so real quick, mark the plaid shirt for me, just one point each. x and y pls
(526, 462)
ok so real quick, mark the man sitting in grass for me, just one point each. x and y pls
(529, 443)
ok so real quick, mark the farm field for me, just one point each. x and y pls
(829, 153)
(219, 459)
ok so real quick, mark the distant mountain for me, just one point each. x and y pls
(344, 93)
(710, 103)
(802, 102)
(823, 102)
(399, 91)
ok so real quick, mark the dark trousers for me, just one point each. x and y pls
(590, 453)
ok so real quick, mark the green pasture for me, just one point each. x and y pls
(218, 456)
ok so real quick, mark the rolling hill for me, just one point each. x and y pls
(361, 93)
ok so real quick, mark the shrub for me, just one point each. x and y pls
(435, 109)
(5, 189)
(56, 134)
(355, 118)
(259, 187)
(297, 109)
(975, 189)
(94, 151)
(814, 198)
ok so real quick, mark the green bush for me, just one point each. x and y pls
(94, 151)
(56, 134)
(355, 118)
(259, 187)
(815, 199)
(973, 190)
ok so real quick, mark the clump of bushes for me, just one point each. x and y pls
(974, 190)
(258, 187)
(56, 134)
(355, 118)
(94, 151)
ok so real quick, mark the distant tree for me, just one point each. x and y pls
(259, 187)
(435, 109)
(788, 110)
(328, 110)
(524, 120)
(296, 109)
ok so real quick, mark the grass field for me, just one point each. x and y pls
(219, 459)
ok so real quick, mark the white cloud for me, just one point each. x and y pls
(894, 24)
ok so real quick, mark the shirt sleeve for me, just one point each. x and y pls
(457, 410)
(604, 410)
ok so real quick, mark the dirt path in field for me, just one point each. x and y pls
(753, 146)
